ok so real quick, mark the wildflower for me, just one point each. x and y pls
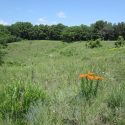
(83, 75)
(90, 77)
(98, 78)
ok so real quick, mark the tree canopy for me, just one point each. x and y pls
(100, 29)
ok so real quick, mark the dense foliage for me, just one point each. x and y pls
(25, 30)
(6, 36)
(1, 56)
(93, 44)
(120, 42)
(17, 98)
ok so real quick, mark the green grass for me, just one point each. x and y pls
(55, 67)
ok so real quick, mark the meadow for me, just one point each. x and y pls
(53, 68)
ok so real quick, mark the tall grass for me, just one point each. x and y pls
(56, 66)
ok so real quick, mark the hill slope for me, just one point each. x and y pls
(55, 66)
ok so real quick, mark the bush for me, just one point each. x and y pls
(1, 57)
(2, 53)
(16, 99)
(94, 44)
(9, 39)
(120, 42)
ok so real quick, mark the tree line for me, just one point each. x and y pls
(25, 30)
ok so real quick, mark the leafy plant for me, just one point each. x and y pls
(89, 84)
(8, 39)
(2, 53)
(17, 98)
(120, 42)
(94, 44)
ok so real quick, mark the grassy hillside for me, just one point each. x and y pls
(55, 67)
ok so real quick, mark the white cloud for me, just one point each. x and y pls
(3, 22)
(43, 20)
(61, 14)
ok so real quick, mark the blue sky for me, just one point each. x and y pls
(68, 12)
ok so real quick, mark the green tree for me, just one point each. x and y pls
(74, 33)
(119, 30)
(97, 29)
(21, 29)
(55, 31)
(5, 36)
(38, 32)
(108, 32)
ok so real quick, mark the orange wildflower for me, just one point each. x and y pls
(98, 78)
(83, 75)
(90, 77)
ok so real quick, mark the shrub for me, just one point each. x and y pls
(16, 99)
(1, 57)
(2, 53)
(120, 42)
(8, 39)
(94, 44)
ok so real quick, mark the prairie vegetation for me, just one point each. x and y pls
(43, 83)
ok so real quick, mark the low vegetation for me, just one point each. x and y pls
(58, 83)
(16, 99)
(120, 42)
(93, 44)
(89, 85)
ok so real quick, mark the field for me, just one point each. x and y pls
(55, 67)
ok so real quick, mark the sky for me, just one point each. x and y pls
(68, 12)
